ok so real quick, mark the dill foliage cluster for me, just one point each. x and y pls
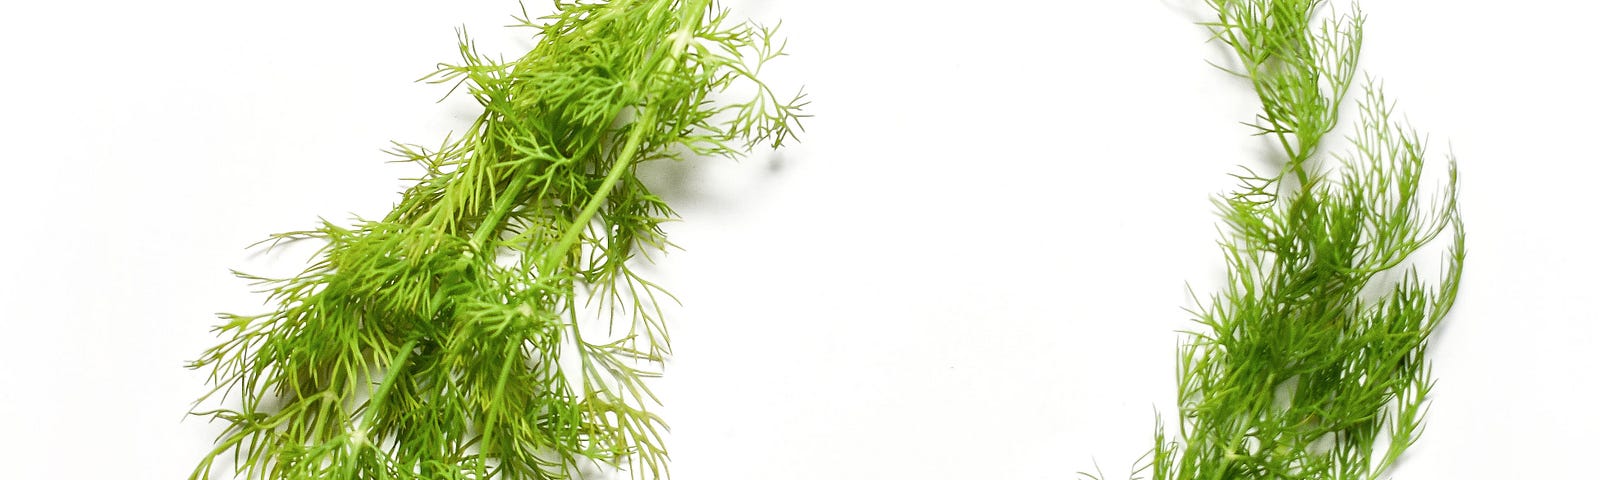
(1311, 362)
(443, 341)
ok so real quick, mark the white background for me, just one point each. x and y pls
(971, 268)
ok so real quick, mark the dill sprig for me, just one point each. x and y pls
(1311, 362)
(447, 339)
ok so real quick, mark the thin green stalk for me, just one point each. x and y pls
(396, 366)
(623, 165)
(502, 207)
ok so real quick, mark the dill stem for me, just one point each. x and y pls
(388, 382)
(502, 207)
(488, 429)
(624, 162)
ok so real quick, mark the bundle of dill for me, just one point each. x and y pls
(443, 341)
(1311, 362)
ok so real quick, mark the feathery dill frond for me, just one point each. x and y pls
(444, 341)
(1312, 360)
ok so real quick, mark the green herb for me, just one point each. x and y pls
(443, 341)
(1311, 362)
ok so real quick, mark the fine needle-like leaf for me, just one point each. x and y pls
(448, 339)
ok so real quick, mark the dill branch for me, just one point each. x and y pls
(444, 341)
(1312, 361)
